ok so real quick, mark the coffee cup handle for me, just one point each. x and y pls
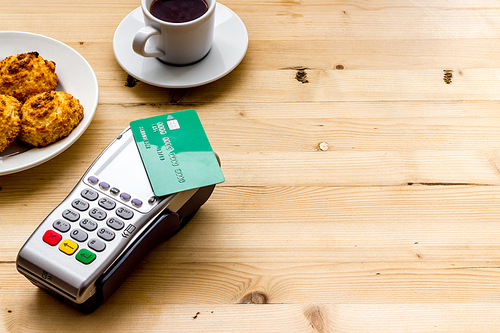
(140, 39)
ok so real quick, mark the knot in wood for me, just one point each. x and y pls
(448, 76)
(323, 146)
(301, 75)
(256, 297)
(316, 317)
(131, 81)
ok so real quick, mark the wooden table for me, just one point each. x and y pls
(360, 145)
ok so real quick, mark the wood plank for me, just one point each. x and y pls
(274, 318)
(315, 225)
(136, 307)
(384, 20)
(331, 168)
(368, 53)
(475, 84)
(217, 114)
(363, 54)
(255, 132)
(161, 282)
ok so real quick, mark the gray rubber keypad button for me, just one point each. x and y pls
(79, 235)
(89, 194)
(107, 203)
(97, 244)
(88, 224)
(61, 225)
(80, 204)
(124, 213)
(106, 234)
(97, 213)
(70, 215)
(115, 223)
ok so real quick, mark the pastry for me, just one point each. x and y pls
(10, 122)
(49, 117)
(27, 74)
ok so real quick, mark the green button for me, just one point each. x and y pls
(85, 256)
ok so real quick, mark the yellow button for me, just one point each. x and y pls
(68, 247)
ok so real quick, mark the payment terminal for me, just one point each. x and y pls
(88, 245)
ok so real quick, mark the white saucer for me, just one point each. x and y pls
(228, 49)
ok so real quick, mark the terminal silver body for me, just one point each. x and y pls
(119, 166)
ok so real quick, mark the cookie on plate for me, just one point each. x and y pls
(27, 74)
(49, 117)
(10, 122)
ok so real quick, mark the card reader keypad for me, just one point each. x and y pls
(83, 218)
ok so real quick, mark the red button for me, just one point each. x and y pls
(51, 237)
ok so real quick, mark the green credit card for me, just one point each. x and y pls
(176, 152)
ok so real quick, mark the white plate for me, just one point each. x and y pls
(75, 77)
(228, 49)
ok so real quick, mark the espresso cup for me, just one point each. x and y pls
(175, 43)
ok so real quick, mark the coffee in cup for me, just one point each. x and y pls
(178, 36)
(178, 11)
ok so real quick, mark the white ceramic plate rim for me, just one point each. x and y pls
(76, 77)
(229, 48)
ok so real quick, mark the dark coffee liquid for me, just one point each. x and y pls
(178, 11)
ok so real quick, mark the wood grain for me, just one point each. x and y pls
(360, 145)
